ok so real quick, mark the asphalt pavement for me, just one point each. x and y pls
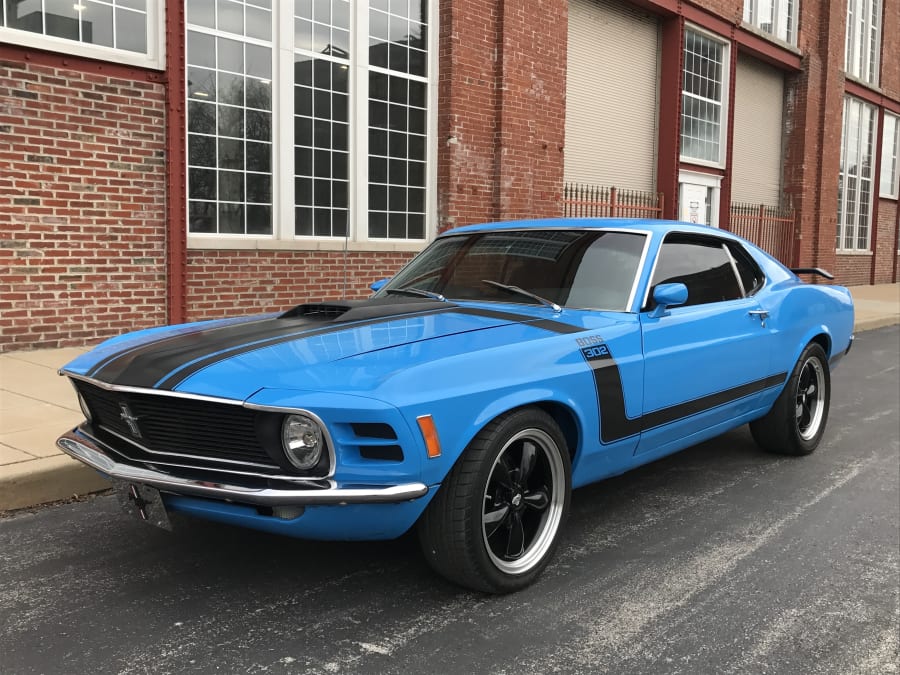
(720, 559)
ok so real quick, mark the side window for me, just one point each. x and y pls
(751, 276)
(701, 264)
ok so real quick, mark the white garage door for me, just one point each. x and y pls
(758, 133)
(612, 95)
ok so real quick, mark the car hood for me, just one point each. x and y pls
(363, 341)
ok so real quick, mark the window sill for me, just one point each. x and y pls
(65, 47)
(853, 253)
(213, 243)
(759, 32)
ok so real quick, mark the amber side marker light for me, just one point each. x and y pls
(429, 433)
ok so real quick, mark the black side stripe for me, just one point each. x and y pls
(614, 423)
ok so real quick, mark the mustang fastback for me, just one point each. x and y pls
(504, 366)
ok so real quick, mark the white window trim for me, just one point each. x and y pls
(155, 58)
(725, 88)
(873, 194)
(751, 9)
(357, 239)
(890, 161)
(709, 180)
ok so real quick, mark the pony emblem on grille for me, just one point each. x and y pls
(130, 420)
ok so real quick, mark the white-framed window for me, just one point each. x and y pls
(776, 17)
(856, 180)
(863, 39)
(122, 31)
(890, 150)
(311, 120)
(704, 98)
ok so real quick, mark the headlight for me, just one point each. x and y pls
(301, 438)
(84, 408)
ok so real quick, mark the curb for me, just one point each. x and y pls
(45, 480)
(52, 479)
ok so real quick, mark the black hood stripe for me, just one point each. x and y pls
(168, 361)
(154, 345)
(177, 376)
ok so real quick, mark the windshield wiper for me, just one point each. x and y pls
(416, 292)
(522, 291)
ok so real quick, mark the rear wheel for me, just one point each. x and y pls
(796, 423)
(494, 524)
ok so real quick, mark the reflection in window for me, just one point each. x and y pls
(321, 118)
(856, 180)
(890, 150)
(352, 112)
(776, 17)
(863, 39)
(119, 24)
(398, 103)
(701, 264)
(703, 91)
(585, 269)
(229, 87)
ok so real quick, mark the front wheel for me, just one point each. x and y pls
(494, 524)
(796, 423)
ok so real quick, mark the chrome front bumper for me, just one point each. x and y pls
(92, 453)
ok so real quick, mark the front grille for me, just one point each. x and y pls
(178, 426)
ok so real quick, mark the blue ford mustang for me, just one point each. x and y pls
(504, 366)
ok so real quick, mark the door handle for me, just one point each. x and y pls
(762, 314)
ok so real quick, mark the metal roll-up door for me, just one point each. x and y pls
(758, 133)
(612, 94)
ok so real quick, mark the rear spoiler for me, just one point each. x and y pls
(813, 270)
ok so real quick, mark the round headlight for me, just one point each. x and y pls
(84, 408)
(301, 438)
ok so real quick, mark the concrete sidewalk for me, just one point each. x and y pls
(36, 406)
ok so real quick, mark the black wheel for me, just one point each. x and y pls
(495, 522)
(797, 420)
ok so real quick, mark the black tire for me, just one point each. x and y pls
(495, 522)
(796, 422)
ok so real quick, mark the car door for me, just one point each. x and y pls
(705, 362)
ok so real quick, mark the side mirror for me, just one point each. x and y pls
(668, 295)
(378, 285)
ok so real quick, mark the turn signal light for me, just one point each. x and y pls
(429, 433)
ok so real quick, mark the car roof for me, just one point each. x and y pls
(643, 224)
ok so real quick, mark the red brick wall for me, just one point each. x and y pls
(886, 242)
(82, 243)
(231, 283)
(815, 111)
(501, 115)
(852, 270)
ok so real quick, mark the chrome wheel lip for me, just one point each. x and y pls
(537, 548)
(818, 401)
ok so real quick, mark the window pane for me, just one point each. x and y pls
(131, 31)
(230, 123)
(702, 97)
(701, 265)
(856, 181)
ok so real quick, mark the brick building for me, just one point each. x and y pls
(167, 162)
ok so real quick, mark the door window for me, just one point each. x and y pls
(700, 263)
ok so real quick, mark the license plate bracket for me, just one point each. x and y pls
(145, 503)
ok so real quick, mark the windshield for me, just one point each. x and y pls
(586, 269)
